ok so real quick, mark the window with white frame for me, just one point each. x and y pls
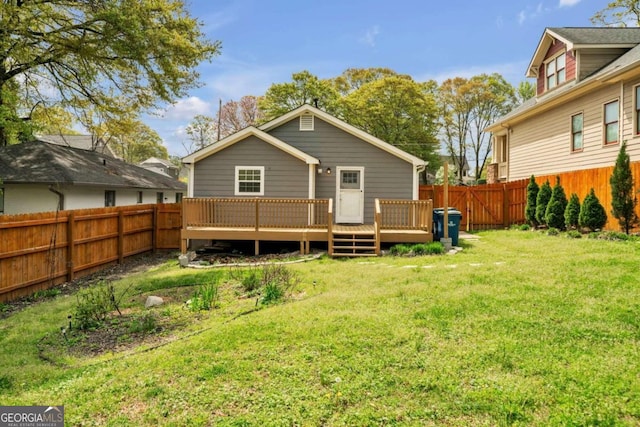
(611, 122)
(556, 71)
(577, 123)
(249, 181)
(636, 116)
(139, 197)
(109, 198)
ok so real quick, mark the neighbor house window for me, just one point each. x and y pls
(109, 198)
(139, 200)
(576, 132)
(159, 197)
(611, 117)
(637, 108)
(503, 149)
(178, 197)
(249, 181)
(556, 73)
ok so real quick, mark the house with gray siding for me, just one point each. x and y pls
(587, 102)
(306, 154)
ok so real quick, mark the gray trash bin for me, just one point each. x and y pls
(455, 217)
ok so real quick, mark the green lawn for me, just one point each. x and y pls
(520, 328)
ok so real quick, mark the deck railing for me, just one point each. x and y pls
(256, 213)
(404, 214)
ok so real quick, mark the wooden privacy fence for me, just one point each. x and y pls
(38, 251)
(483, 207)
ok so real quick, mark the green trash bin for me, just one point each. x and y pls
(454, 216)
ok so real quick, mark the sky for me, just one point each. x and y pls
(266, 41)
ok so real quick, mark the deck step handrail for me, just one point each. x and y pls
(256, 212)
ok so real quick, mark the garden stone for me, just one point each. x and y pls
(153, 302)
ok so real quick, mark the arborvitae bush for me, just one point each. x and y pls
(554, 216)
(623, 198)
(532, 195)
(572, 212)
(544, 195)
(592, 213)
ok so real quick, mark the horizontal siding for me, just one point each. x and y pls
(594, 59)
(385, 175)
(285, 175)
(542, 145)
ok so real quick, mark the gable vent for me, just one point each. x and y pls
(306, 122)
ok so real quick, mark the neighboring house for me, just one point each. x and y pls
(587, 102)
(84, 142)
(38, 176)
(306, 154)
(161, 166)
(453, 167)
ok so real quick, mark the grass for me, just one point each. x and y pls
(519, 328)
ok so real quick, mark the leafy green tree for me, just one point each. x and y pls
(572, 212)
(525, 90)
(554, 214)
(592, 214)
(623, 198)
(145, 51)
(305, 88)
(530, 208)
(544, 195)
(618, 13)
(353, 79)
(202, 131)
(397, 110)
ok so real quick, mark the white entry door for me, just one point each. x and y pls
(350, 195)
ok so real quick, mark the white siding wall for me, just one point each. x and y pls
(542, 145)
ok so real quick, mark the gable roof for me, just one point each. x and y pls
(84, 142)
(243, 134)
(156, 161)
(625, 66)
(358, 133)
(583, 37)
(44, 163)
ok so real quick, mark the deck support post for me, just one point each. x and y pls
(257, 247)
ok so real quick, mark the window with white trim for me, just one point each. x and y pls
(109, 198)
(636, 116)
(306, 122)
(611, 122)
(577, 123)
(555, 71)
(249, 181)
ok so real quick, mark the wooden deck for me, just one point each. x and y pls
(305, 221)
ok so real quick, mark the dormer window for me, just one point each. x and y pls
(306, 122)
(555, 71)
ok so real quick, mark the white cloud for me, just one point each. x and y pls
(531, 13)
(522, 16)
(568, 3)
(369, 37)
(185, 109)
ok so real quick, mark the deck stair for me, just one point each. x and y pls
(353, 241)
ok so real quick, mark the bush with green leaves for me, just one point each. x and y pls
(554, 215)
(278, 281)
(530, 209)
(94, 304)
(572, 212)
(432, 248)
(623, 198)
(574, 234)
(544, 195)
(205, 298)
(592, 213)
(524, 227)
(552, 231)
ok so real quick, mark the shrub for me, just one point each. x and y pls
(524, 227)
(572, 212)
(278, 281)
(613, 235)
(400, 250)
(554, 216)
(532, 194)
(552, 231)
(94, 305)
(251, 282)
(205, 298)
(433, 248)
(147, 322)
(592, 214)
(623, 199)
(544, 195)
(574, 234)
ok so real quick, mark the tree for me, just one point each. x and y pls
(305, 88)
(592, 213)
(572, 212)
(353, 79)
(234, 116)
(623, 198)
(618, 13)
(91, 51)
(202, 131)
(554, 214)
(525, 90)
(135, 142)
(544, 195)
(397, 110)
(492, 97)
(530, 208)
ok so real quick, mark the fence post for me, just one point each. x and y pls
(71, 244)
(120, 236)
(154, 234)
(506, 220)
